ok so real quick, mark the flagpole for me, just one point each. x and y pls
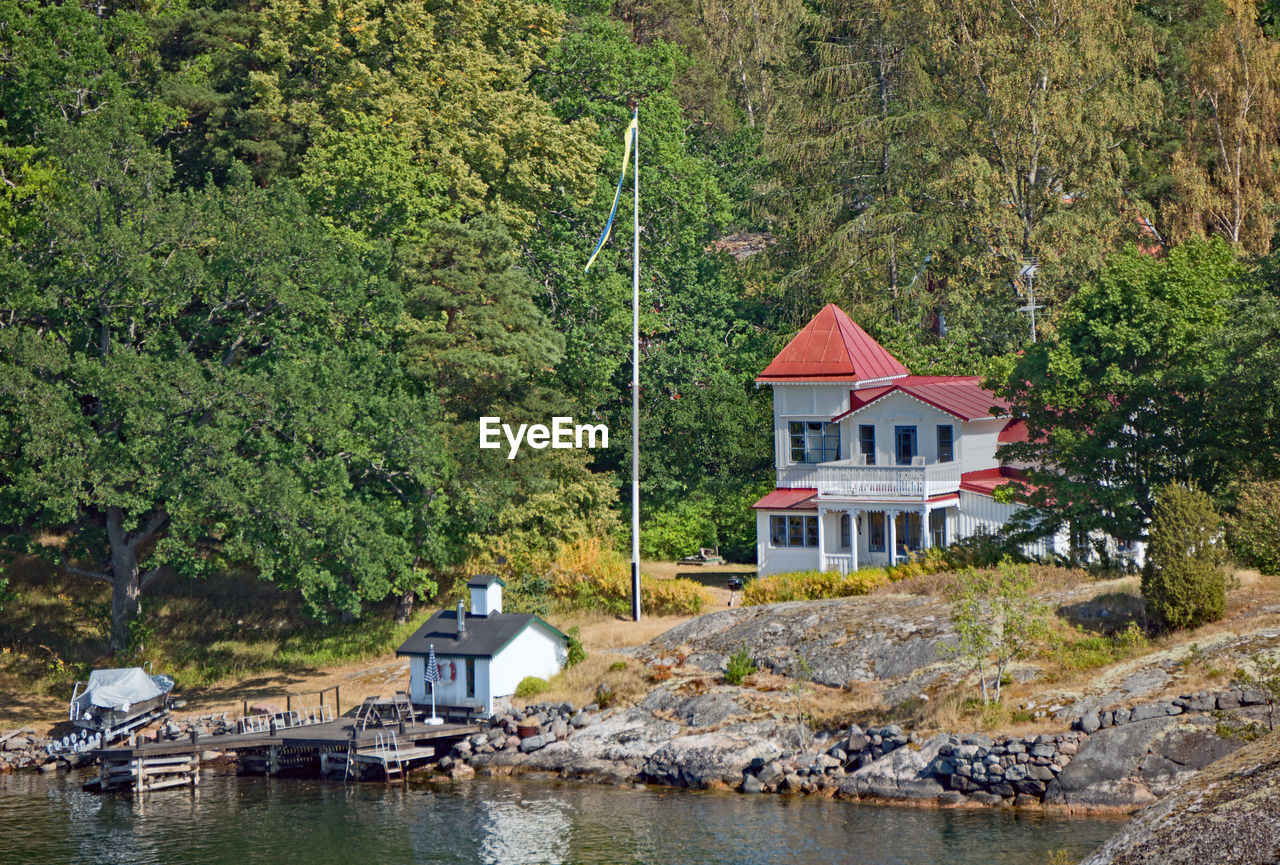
(635, 383)
(632, 140)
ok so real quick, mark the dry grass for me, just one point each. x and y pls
(600, 632)
(1047, 578)
(602, 636)
(579, 683)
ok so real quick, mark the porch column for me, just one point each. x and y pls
(926, 534)
(822, 541)
(854, 516)
(891, 529)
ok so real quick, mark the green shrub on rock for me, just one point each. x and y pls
(740, 666)
(531, 686)
(1184, 582)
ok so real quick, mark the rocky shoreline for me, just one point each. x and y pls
(1116, 760)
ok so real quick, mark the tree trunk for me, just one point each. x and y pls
(126, 582)
(404, 609)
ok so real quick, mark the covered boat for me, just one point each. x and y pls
(114, 702)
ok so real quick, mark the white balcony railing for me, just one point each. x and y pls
(842, 479)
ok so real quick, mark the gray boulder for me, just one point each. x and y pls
(1099, 774)
(903, 774)
(706, 760)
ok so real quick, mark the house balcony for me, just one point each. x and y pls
(843, 480)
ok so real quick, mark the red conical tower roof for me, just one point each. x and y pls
(832, 348)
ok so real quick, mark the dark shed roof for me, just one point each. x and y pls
(483, 581)
(486, 635)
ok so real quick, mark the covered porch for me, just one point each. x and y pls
(861, 534)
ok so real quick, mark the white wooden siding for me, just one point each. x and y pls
(976, 445)
(984, 513)
(534, 652)
(805, 403)
(447, 693)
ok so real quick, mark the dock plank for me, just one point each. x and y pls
(332, 734)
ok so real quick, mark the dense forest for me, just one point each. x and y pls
(265, 264)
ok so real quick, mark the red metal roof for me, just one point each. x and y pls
(1014, 432)
(960, 395)
(832, 348)
(986, 481)
(799, 498)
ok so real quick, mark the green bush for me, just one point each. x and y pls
(676, 531)
(1183, 583)
(1254, 531)
(577, 654)
(531, 686)
(740, 665)
(617, 666)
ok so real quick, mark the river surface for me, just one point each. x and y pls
(238, 821)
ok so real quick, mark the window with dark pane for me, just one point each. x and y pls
(946, 443)
(778, 531)
(814, 441)
(867, 443)
(875, 531)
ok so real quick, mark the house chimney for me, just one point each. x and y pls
(462, 620)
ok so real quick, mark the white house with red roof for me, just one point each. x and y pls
(873, 462)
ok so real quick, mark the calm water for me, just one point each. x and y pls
(257, 820)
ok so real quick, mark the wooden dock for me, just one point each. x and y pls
(342, 747)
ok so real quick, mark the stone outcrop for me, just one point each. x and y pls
(898, 640)
(1228, 813)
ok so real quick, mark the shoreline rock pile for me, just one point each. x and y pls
(1115, 759)
(520, 731)
(24, 748)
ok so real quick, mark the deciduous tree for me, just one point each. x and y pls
(1225, 173)
(195, 378)
(1117, 404)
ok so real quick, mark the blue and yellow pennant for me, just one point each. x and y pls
(633, 131)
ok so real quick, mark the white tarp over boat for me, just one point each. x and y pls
(117, 689)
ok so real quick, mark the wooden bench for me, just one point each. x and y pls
(452, 714)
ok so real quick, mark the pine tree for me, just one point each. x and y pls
(1184, 583)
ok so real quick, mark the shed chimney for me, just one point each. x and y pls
(462, 620)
